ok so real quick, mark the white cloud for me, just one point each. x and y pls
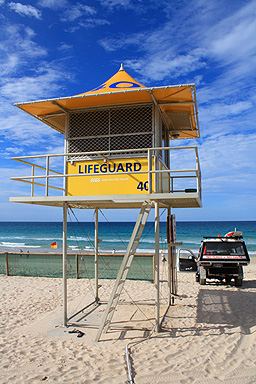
(165, 64)
(81, 15)
(116, 3)
(65, 47)
(231, 157)
(218, 111)
(233, 34)
(17, 48)
(77, 11)
(54, 4)
(33, 87)
(90, 23)
(25, 10)
(232, 42)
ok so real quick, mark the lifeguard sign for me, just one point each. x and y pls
(117, 176)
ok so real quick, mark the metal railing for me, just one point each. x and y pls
(153, 161)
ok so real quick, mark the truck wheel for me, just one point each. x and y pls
(238, 282)
(202, 281)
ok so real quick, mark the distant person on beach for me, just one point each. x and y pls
(163, 257)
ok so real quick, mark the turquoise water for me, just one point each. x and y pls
(38, 236)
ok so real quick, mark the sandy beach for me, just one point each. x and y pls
(208, 336)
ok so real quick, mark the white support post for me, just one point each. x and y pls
(174, 266)
(96, 255)
(172, 275)
(156, 272)
(169, 274)
(64, 246)
(169, 263)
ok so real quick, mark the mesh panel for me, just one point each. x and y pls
(57, 121)
(51, 266)
(130, 142)
(180, 121)
(2, 265)
(131, 120)
(88, 145)
(141, 267)
(90, 123)
(110, 129)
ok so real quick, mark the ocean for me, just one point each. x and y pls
(38, 236)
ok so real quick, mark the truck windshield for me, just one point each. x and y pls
(223, 248)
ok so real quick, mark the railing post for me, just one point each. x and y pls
(156, 168)
(149, 172)
(33, 181)
(7, 264)
(47, 174)
(77, 266)
(198, 174)
(171, 184)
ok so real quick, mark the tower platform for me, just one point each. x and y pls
(172, 200)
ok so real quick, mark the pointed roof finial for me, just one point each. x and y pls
(122, 67)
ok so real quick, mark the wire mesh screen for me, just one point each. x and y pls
(180, 120)
(57, 122)
(2, 264)
(126, 127)
(141, 267)
(78, 266)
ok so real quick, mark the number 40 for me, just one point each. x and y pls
(143, 186)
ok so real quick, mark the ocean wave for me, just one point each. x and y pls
(73, 238)
(18, 245)
(44, 238)
(250, 241)
(143, 241)
(31, 238)
(33, 246)
(187, 241)
(7, 244)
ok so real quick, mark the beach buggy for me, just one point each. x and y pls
(222, 258)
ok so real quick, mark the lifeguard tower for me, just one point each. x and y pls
(117, 154)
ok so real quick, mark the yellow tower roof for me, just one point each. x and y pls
(120, 81)
(177, 103)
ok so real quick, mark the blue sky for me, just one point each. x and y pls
(55, 48)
